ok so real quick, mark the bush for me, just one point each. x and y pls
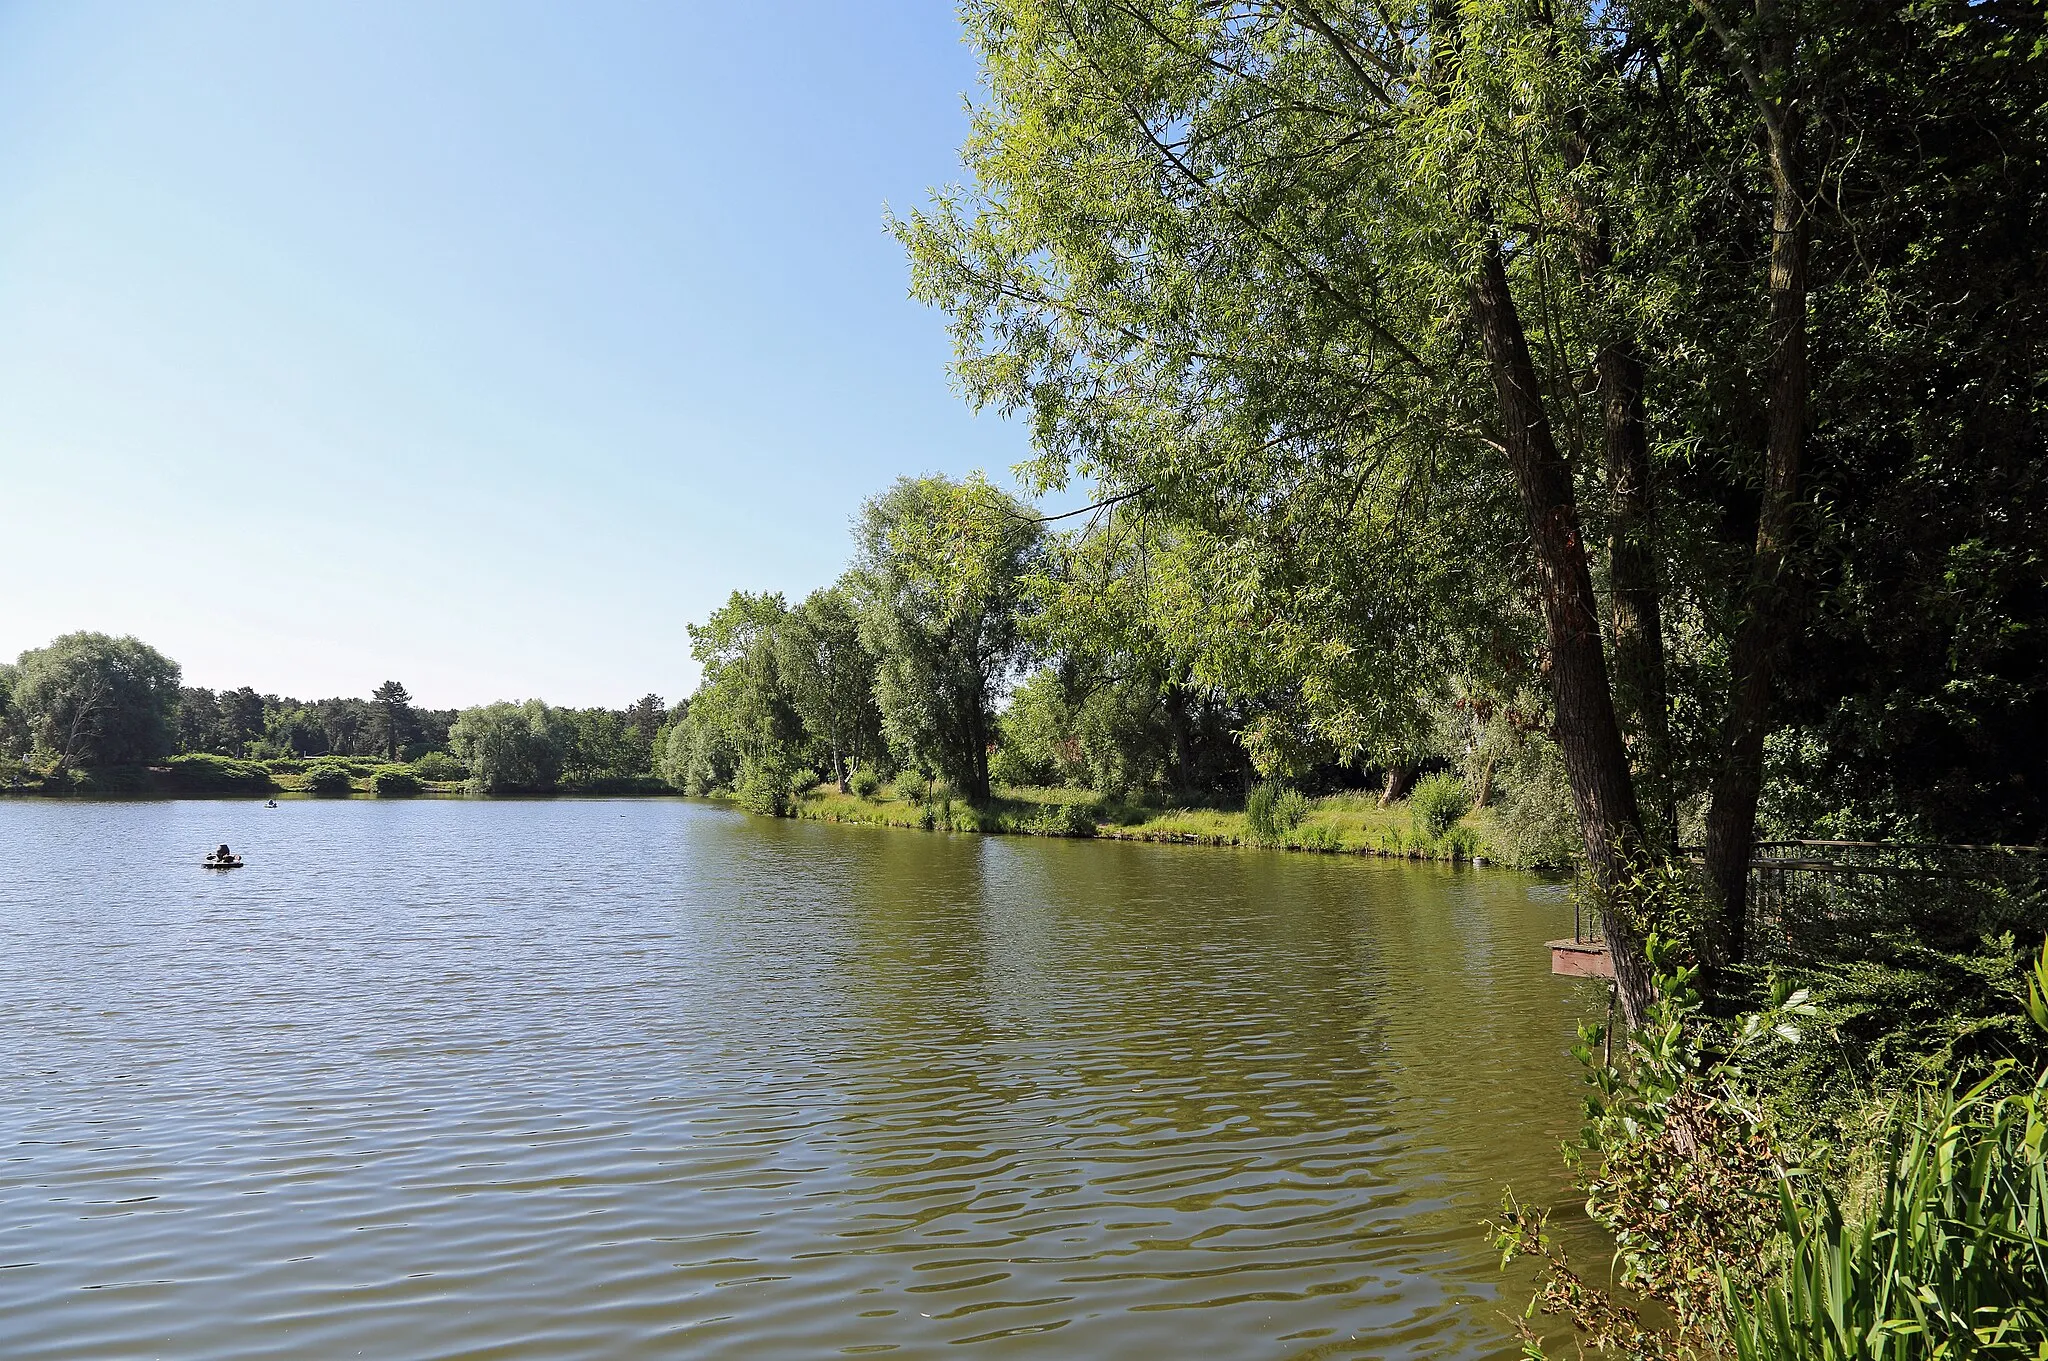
(1539, 826)
(763, 789)
(1015, 769)
(440, 765)
(1062, 819)
(201, 773)
(328, 781)
(914, 786)
(284, 765)
(395, 782)
(1944, 1259)
(1436, 803)
(1460, 843)
(864, 783)
(1272, 810)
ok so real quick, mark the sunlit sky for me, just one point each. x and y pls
(476, 345)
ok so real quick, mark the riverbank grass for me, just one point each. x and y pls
(1337, 824)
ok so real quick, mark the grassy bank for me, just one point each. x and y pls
(1338, 824)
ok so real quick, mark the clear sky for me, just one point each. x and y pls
(476, 345)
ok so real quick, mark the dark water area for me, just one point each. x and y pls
(653, 1078)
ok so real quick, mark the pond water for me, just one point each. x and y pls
(655, 1078)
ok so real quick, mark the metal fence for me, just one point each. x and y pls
(1817, 896)
(1808, 897)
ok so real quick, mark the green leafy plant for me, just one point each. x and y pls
(440, 766)
(763, 789)
(1680, 1164)
(1952, 1261)
(395, 782)
(865, 783)
(1436, 803)
(913, 786)
(200, 772)
(1062, 819)
(1316, 838)
(1271, 811)
(328, 781)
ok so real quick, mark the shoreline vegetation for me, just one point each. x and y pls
(1336, 824)
(1345, 823)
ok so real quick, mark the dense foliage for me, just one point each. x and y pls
(1722, 1213)
(90, 700)
(88, 706)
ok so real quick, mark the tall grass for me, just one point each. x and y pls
(1272, 810)
(1952, 1260)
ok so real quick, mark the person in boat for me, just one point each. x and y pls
(223, 853)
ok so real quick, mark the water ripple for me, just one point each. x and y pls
(421, 1082)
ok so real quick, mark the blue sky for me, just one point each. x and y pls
(480, 346)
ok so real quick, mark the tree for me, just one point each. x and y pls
(391, 717)
(831, 678)
(88, 699)
(199, 721)
(14, 734)
(244, 719)
(1265, 269)
(512, 748)
(939, 575)
(604, 744)
(647, 714)
(743, 721)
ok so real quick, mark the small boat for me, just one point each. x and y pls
(214, 862)
(272, 803)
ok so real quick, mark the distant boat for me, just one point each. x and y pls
(270, 803)
(215, 862)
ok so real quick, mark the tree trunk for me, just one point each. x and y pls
(1587, 732)
(1635, 606)
(1398, 780)
(1768, 597)
(1485, 794)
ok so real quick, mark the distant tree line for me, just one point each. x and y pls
(88, 701)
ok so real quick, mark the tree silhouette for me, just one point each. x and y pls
(393, 709)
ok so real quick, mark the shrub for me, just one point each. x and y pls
(1539, 826)
(1436, 803)
(1062, 819)
(763, 789)
(200, 772)
(1679, 1163)
(328, 781)
(913, 786)
(1948, 1262)
(1014, 767)
(440, 765)
(1272, 810)
(865, 783)
(395, 782)
(284, 765)
(1460, 843)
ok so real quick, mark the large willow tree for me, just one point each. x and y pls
(1515, 288)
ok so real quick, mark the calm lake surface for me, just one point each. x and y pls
(654, 1078)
